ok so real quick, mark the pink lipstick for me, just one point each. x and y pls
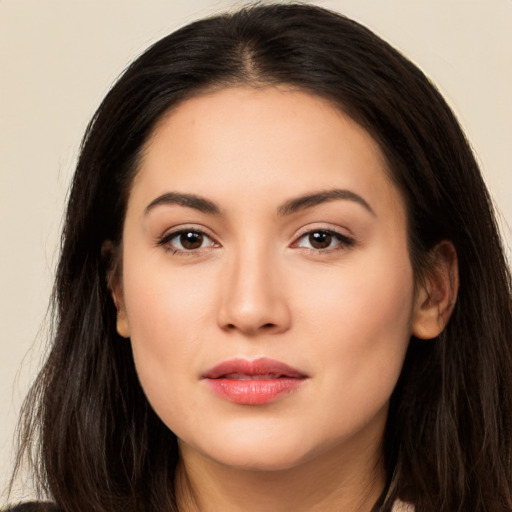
(255, 382)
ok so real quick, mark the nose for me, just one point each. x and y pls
(254, 298)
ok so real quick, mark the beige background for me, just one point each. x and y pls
(58, 58)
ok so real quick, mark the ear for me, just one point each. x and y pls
(437, 293)
(111, 255)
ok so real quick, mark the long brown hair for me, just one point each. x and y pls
(96, 443)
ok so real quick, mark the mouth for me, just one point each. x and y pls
(255, 382)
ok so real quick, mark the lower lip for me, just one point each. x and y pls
(253, 392)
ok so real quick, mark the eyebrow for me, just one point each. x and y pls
(187, 200)
(310, 200)
(288, 208)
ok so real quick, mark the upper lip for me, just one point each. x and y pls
(257, 367)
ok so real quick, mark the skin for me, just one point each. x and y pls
(257, 287)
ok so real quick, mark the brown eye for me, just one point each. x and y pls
(186, 240)
(191, 240)
(320, 239)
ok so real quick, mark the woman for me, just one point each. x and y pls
(281, 286)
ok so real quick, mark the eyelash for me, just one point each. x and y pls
(343, 241)
(165, 241)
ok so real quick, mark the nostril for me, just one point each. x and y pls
(265, 327)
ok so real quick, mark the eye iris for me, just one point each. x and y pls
(320, 239)
(191, 240)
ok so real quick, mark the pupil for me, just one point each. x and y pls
(320, 239)
(191, 240)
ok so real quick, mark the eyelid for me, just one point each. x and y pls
(345, 240)
(171, 233)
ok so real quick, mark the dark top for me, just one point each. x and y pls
(33, 506)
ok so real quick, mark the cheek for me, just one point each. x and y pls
(167, 312)
(362, 327)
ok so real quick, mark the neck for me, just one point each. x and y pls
(331, 481)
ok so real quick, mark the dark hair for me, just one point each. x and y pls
(447, 443)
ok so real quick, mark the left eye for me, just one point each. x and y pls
(187, 240)
(322, 239)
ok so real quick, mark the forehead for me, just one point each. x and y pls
(259, 145)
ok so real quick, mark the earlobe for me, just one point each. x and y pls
(122, 326)
(437, 294)
(114, 283)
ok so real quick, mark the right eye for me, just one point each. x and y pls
(186, 240)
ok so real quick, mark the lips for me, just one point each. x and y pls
(255, 382)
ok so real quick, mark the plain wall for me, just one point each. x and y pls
(58, 58)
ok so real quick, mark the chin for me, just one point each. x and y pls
(256, 453)
(261, 460)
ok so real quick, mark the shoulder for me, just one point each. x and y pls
(400, 506)
(33, 506)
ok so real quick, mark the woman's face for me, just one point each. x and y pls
(266, 285)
